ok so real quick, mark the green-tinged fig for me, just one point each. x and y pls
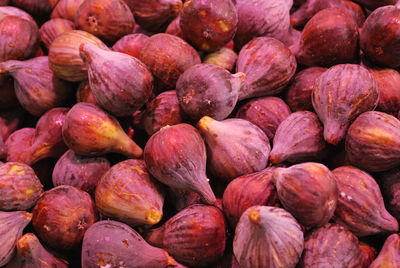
(389, 255)
(224, 57)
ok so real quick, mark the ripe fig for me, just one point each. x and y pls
(368, 254)
(38, 8)
(389, 255)
(174, 28)
(84, 93)
(131, 44)
(390, 186)
(18, 145)
(53, 28)
(66, 9)
(224, 57)
(341, 94)
(14, 11)
(235, 147)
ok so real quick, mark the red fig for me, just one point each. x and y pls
(131, 44)
(389, 255)
(225, 57)
(66, 9)
(53, 28)
(84, 93)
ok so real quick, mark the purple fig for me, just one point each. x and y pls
(224, 57)
(389, 255)
(53, 28)
(131, 44)
(18, 145)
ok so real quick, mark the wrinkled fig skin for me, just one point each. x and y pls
(176, 156)
(389, 255)
(255, 189)
(373, 4)
(90, 131)
(31, 254)
(119, 82)
(167, 57)
(79, 171)
(114, 244)
(84, 93)
(328, 24)
(341, 94)
(368, 254)
(128, 193)
(331, 246)
(131, 44)
(390, 187)
(315, 204)
(174, 28)
(8, 99)
(12, 225)
(66, 9)
(235, 147)
(62, 215)
(208, 25)
(208, 89)
(195, 236)
(267, 237)
(360, 205)
(373, 141)
(268, 64)
(20, 188)
(300, 89)
(224, 57)
(53, 28)
(266, 113)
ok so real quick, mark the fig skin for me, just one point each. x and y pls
(62, 215)
(79, 171)
(14, 11)
(53, 28)
(268, 64)
(224, 57)
(131, 44)
(331, 23)
(112, 244)
(267, 237)
(331, 246)
(368, 254)
(235, 147)
(372, 141)
(312, 206)
(195, 236)
(341, 94)
(90, 131)
(360, 204)
(299, 138)
(390, 185)
(266, 113)
(176, 156)
(255, 189)
(119, 82)
(18, 145)
(174, 28)
(208, 25)
(389, 255)
(84, 93)
(66, 9)
(208, 89)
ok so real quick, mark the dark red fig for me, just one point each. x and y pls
(356, 10)
(53, 28)
(176, 156)
(131, 44)
(174, 28)
(224, 57)
(66, 9)
(390, 186)
(368, 254)
(389, 255)
(84, 93)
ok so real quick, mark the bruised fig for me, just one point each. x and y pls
(195, 236)
(315, 204)
(66, 9)
(299, 138)
(255, 189)
(53, 28)
(84, 93)
(389, 255)
(368, 254)
(131, 44)
(341, 94)
(267, 237)
(114, 244)
(176, 156)
(90, 131)
(208, 89)
(224, 57)
(373, 141)
(235, 147)
(360, 205)
(268, 64)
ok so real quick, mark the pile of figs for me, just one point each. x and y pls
(199, 133)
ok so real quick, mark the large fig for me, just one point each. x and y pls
(53, 28)
(389, 255)
(131, 44)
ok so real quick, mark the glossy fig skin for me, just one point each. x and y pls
(268, 64)
(130, 44)
(341, 94)
(53, 28)
(66, 9)
(389, 255)
(266, 113)
(195, 236)
(372, 141)
(62, 215)
(224, 57)
(390, 186)
(90, 131)
(112, 243)
(79, 171)
(176, 156)
(314, 205)
(331, 246)
(360, 205)
(255, 189)
(267, 237)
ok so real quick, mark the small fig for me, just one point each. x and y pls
(224, 57)
(53, 28)
(389, 255)
(131, 44)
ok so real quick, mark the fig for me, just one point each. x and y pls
(131, 44)
(268, 64)
(195, 236)
(208, 89)
(372, 141)
(313, 205)
(38, 8)
(18, 145)
(390, 183)
(174, 28)
(224, 57)
(66, 9)
(182, 199)
(90, 131)
(84, 93)
(255, 189)
(299, 138)
(331, 246)
(53, 28)
(14, 11)
(328, 24)
(62, 215)
(341, 94)
(389, 255)
(79, 171)
(267, 237)
(114, 244)
(235, 147)
(10, 121)
(368, 254)
(12, 224)
(176, 156)
(356, 10)
(266, 113)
